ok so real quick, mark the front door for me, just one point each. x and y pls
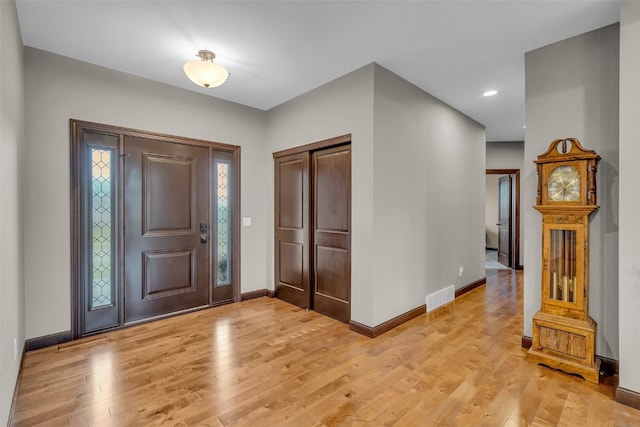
(166, 227)
(154, 225)
(504, 220)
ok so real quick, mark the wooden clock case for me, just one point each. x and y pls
(564, 336)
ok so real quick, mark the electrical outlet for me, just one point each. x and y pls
(15, 349)
(460, 271)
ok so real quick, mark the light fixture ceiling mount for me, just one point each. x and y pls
(205, 72)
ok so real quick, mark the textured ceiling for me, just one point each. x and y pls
(277, 50)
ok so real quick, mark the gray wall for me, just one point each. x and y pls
(629, 290)
(505, 155)
(509, 155)
(411, 230)
(572, 91)
(11, 210)
(59, 88)
(428, 196)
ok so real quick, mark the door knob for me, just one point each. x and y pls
(204, 238)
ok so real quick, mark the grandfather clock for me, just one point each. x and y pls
(564, 336)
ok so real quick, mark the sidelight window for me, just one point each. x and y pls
(101, 228)
(223, 224)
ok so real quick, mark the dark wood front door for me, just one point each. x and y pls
(155, 225)
(292, 228)
(332, 232)
(166, 228)
(504, 220)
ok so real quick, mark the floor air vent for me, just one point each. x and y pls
(440, 297)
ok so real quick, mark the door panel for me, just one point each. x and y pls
(332, 232)
(168, 181)
(166, 272)
(504, 220)
(332, 275)
(291, 229)
(166, 199)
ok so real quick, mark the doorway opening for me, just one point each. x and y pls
(502, 246)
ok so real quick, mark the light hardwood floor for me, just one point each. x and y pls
(266, 363)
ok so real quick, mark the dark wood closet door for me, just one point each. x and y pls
(166, 204)
(332, 232)
(292, 229)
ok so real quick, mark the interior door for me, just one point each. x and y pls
(292, 229)
(332, 232)
(166, 227)
(504, 220)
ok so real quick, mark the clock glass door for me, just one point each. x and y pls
(563, 265)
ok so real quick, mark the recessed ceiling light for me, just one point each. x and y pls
(490, 93)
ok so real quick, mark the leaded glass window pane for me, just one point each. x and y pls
(101, 232)
(223, 226)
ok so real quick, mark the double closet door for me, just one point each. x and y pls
(154, 229)
(313, 229)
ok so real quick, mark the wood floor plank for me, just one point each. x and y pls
(263, 362)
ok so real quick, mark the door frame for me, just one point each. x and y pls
(515, 208)
(78, 248)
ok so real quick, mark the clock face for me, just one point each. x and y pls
(564, 184)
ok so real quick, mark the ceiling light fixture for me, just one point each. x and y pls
(205, 72)
(490, 93)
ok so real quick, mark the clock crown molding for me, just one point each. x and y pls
(565, 149)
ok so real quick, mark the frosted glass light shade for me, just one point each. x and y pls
(206, 73)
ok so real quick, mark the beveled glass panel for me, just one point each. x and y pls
(223, 226)
(101, 232)
(562, 283)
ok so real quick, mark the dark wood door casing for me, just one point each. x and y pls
(83, 134)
